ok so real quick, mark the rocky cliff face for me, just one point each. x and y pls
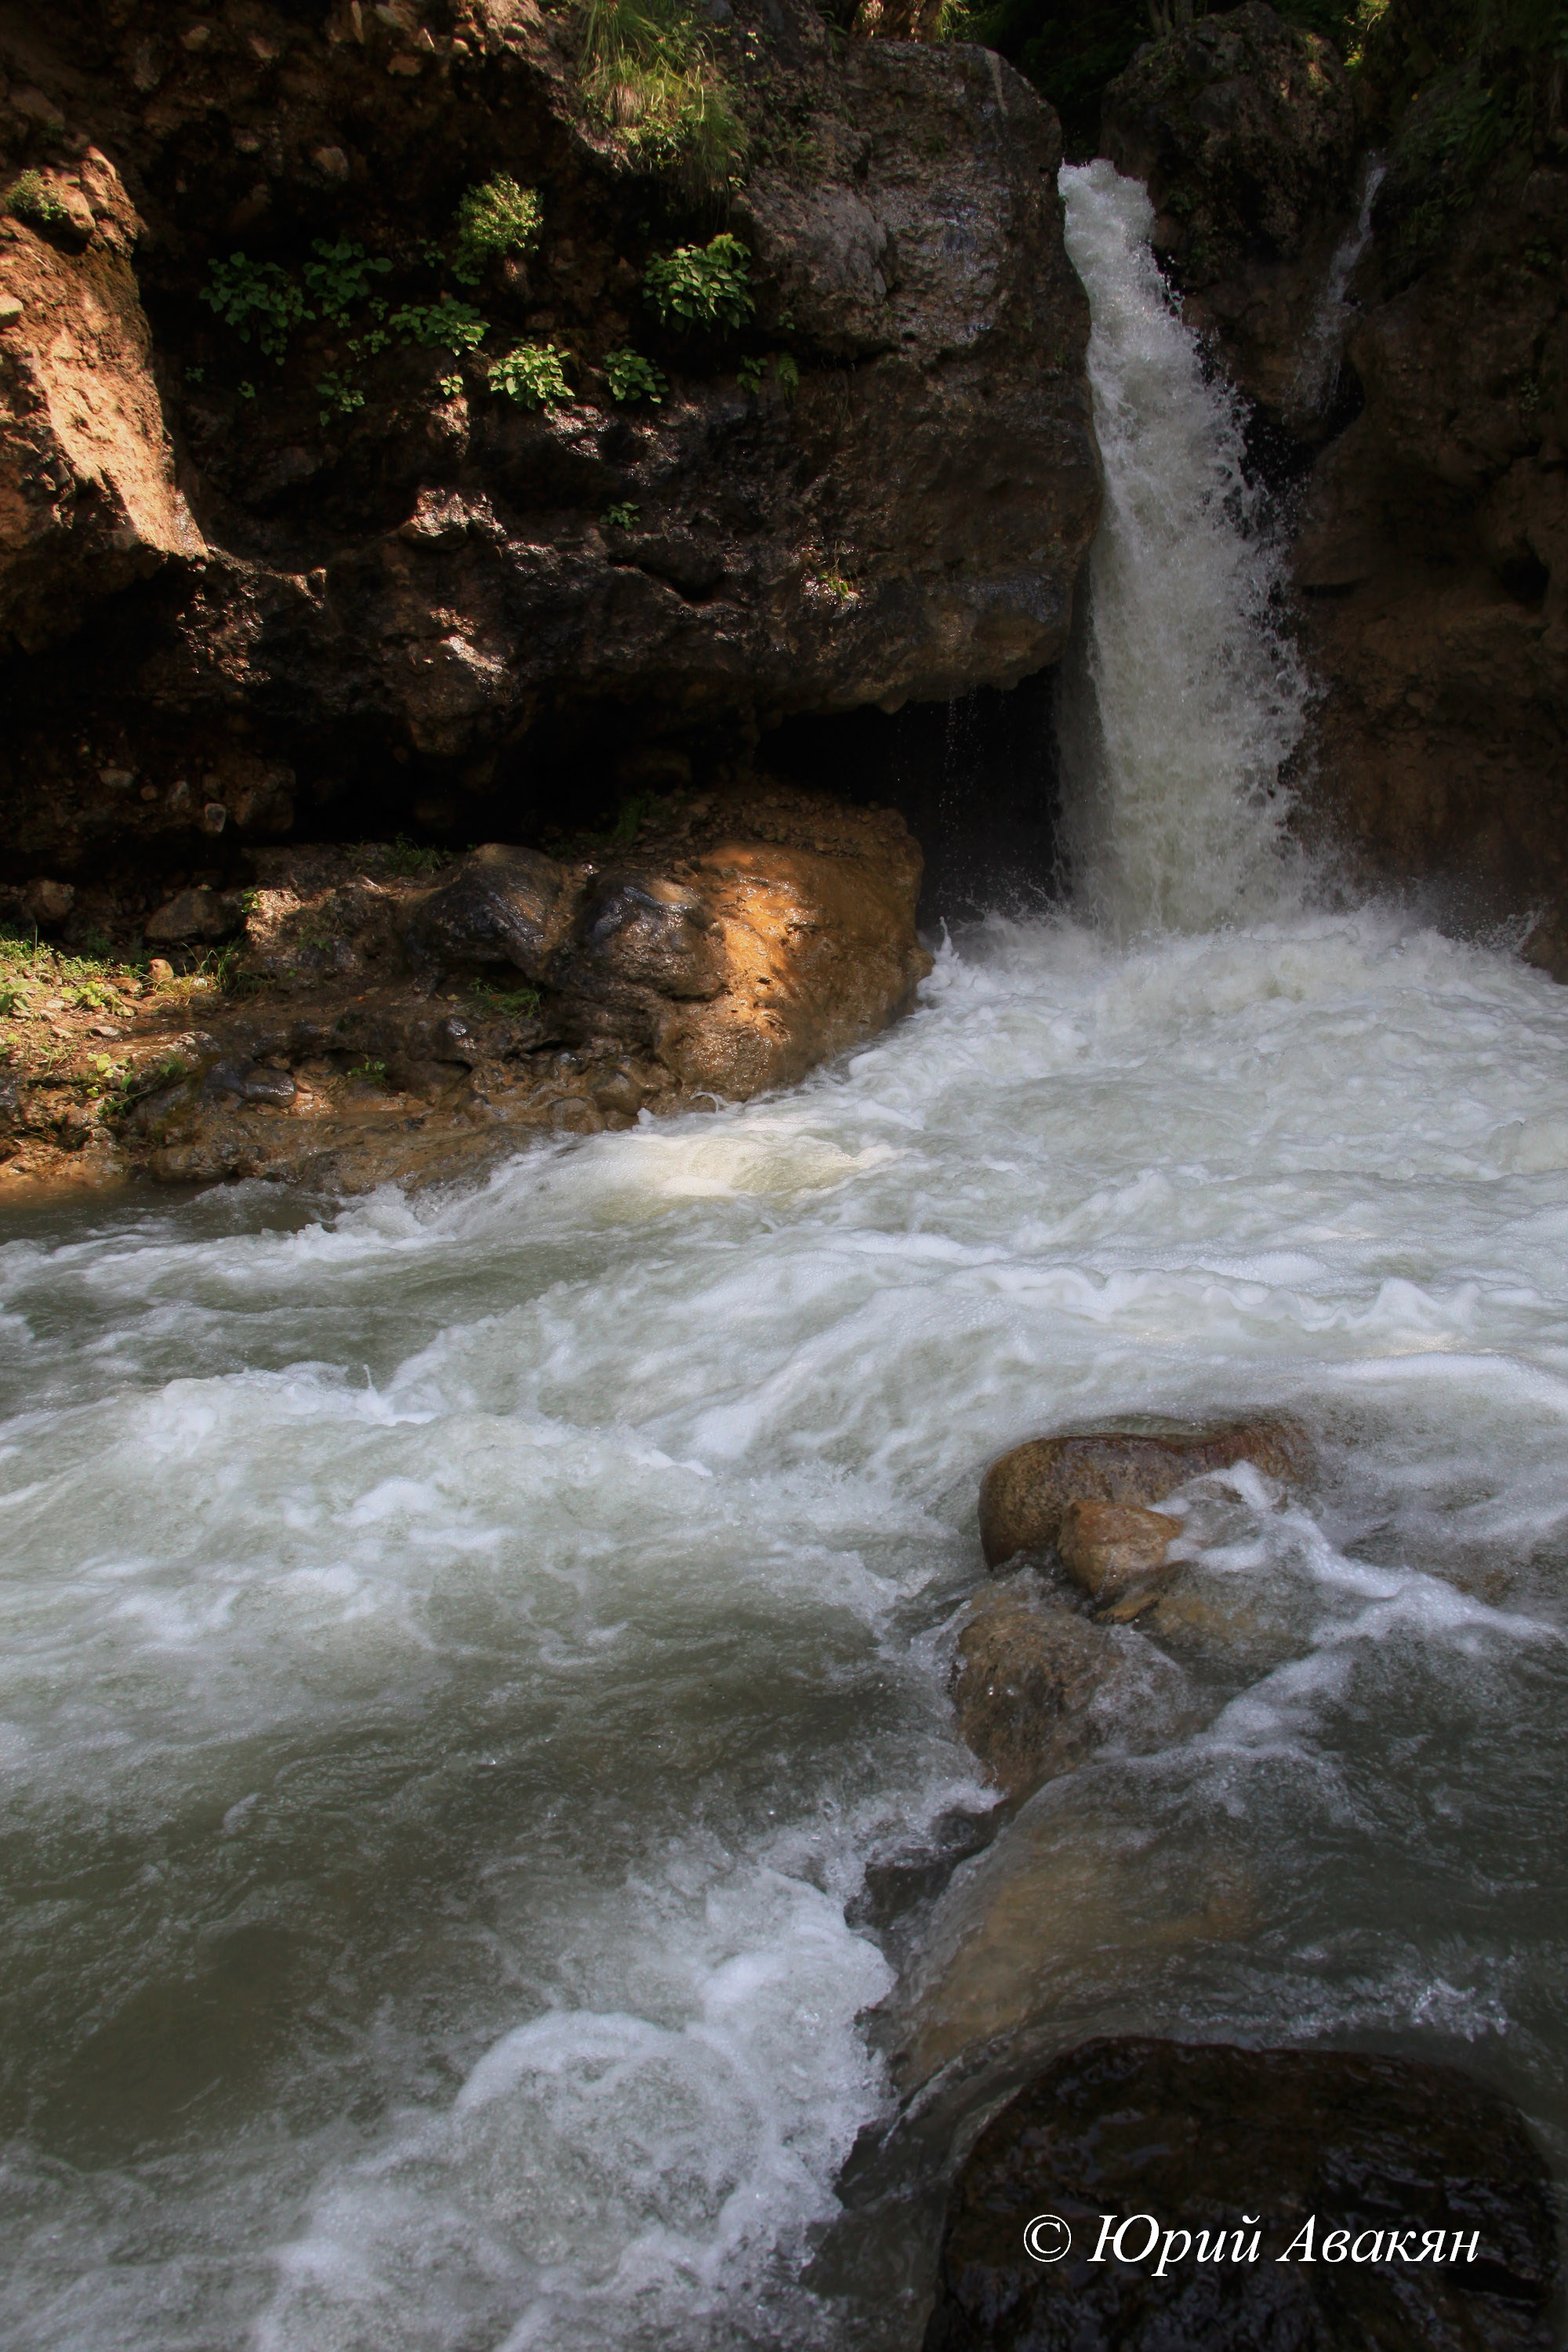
(352, 585)
(1243, 129)
(1432, 563)
(1432, 545)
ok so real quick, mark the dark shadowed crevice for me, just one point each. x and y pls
(975, 780)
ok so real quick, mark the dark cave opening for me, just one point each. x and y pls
(975, 779)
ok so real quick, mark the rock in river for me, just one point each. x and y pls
(1026, 1492)
(1025, 1673)
(1211, 2140)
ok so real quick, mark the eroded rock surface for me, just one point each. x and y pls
(440, 608)
(1243, 129)
(1026, 1492)
(1025, 1678)
(1207, 2138)
(380, 1024)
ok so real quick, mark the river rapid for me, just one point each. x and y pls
(466, 1659)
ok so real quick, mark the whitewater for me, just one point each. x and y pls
(470, 1661)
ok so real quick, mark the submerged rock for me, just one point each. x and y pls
(1025, 1672)
(1212, 2140)
(1026, 1492)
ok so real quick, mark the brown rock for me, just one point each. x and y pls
(1026, 1492)
(1024, 1672)
(48, 902)
(905, 516)
(199, 913)
(1110, 1548)
(1208, 2138)
(1243, 129)
(87, 496)
(1433, 562)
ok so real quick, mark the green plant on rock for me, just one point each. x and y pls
(631, 377)
(513, 1003)
(256, 297)
(446, 325)
(647, 71)
(623, 516)
(340, 397)
(498, 218)
(31, 198)
(703, 285)
(342, 276)
(531, 375)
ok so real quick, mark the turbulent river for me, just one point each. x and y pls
(469, 1663)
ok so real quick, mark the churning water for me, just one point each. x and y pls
(461, 1659)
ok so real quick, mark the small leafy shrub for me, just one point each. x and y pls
(703, 285)
(500, 217)
(446, 325)
(12, 999)
(341, 276)
(31, 198)
(452, 385)
(751, 374)
(531, 375)
(624, 517)
(373, 1073)
(256, 297)
(340, 396)
(631, 377)
(786, 376)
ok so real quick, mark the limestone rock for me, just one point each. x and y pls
(903, 511)
(1433, 564)
(1026, 1492)
(197, 914)
(1110, 1549)
(1202, 2136)
(1025, 1672)
(1243, 129)
(502, 905)
(88, 501)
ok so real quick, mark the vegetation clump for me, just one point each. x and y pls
(647, 69)
(31, 198)
(705, 286)
(256, 297)
(532, 375)
(446, 325)
(631, 377)
(495, 219)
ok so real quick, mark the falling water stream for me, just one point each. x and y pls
(470, 1663)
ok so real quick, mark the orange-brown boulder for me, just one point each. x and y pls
(1111, 1547)
(1026, 1492)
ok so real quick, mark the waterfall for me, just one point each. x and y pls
(1317, 378)
(1181, 701)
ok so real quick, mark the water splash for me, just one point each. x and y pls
(1318, 375)
(1180, 702)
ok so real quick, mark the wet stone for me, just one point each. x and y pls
(1111, 1550)
(1026, 1492)
(1222, 2145)
(1024, 1672)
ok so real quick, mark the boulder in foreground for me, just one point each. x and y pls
(1209, 2138)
